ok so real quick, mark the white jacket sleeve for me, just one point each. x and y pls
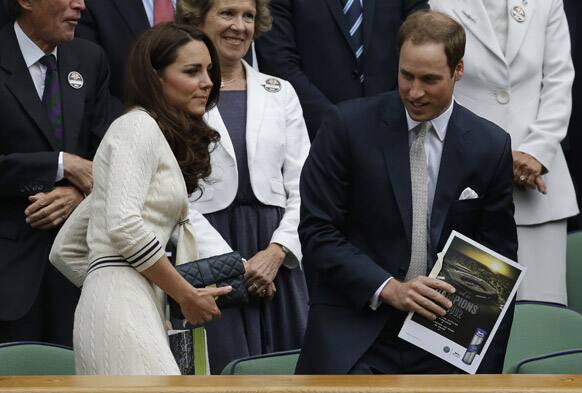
(551, 124)
(296, 150)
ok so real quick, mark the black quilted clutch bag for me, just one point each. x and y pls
(222, 270)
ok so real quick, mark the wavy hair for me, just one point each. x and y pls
(193, 12)
(190, 138)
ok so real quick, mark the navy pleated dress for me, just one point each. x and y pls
(247, 225)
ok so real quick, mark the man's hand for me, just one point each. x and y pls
(79, 172)
(421, 295)
(262, 268)
(527, 172)
(48, 210)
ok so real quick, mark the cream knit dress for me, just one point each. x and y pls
(138, 197)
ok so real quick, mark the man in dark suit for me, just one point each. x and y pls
(380, 194)
(54, 110)
(310, 45)
(114, 25)
(3, 14)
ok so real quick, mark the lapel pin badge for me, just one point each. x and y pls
(272, 85)
(75, 80)
(518, 13)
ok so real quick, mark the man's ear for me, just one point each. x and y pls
(459, 70)
(25, 4)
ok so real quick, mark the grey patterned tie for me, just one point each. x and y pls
(419, 182)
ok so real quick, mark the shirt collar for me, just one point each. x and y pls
(30, 51)
(439, 123)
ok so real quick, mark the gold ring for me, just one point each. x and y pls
(253, 286)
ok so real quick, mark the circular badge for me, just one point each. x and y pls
(272, 85)
(518, 13)
(75, 80)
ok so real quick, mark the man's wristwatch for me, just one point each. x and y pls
(285, 249)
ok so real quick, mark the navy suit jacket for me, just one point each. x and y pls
(114, 25)
(29, 156)
(356, 219)
(309, 46)
(3, 14)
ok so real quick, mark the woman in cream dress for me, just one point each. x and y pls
(151, 158)
(518, 74)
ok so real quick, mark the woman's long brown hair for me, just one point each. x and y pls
(190, 138)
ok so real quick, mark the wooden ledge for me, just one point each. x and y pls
(298, 383)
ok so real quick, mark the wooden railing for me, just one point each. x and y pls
(296, 384)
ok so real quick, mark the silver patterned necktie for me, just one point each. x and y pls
(419, 183)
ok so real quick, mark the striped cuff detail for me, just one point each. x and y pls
(107, 261)
(147, 255)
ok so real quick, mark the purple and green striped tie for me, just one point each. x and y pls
(51, 97)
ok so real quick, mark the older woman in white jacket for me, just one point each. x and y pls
(519, 74)
(252, 195)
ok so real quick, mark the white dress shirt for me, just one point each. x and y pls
(32, 54)
(433, 148)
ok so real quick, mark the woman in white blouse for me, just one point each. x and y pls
(518, 74)
(151, 158)
(252, 195)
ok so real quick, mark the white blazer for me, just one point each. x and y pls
(526, 91)
(277, 146)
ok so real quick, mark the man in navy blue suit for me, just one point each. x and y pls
(114, 25)
(3, 14)
(360, 202)
(310, 45)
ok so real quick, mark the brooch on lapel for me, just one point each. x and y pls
(272, 85)
(75, 80)
(518, 12)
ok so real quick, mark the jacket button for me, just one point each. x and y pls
(502, 96)
(355, 74)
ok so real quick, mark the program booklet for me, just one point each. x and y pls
(485, 283)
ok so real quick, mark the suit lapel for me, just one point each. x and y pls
(369, 6)
(134, 14)
(394, 137)
(336, 10)
(474, 17)
(21, 86)
(453, 162)
(515, 30)
(255, 110)
(73, 100)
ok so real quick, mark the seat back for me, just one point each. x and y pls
(541, 328)
(565, 362)
(574, 271)
(36, 358)
(276, 363)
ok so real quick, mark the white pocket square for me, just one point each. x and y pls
(468, 193)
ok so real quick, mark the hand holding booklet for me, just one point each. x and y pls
(485, 283)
